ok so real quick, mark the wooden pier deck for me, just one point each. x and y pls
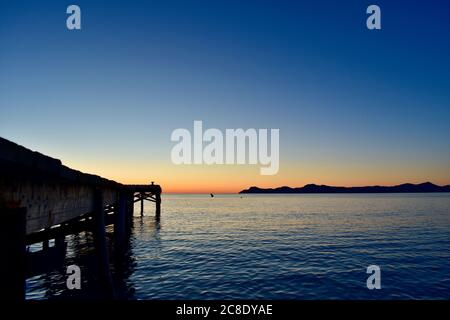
(41, 199)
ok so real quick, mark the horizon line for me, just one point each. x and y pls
(281, 186)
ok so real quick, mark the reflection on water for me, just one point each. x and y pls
(272, 247)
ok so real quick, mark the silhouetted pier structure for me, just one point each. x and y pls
(41, 199)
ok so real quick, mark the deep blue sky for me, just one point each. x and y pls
(341, 95)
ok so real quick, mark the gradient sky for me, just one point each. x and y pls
(354, 107)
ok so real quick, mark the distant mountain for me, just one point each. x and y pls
(313, 188)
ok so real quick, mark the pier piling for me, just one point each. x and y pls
(158, 204)
(130, 212)
(12, 267)
(100, 244)
(120, 221)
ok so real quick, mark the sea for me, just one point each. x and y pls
(295, 247)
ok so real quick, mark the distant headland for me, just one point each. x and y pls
(314, 188)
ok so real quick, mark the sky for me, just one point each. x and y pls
(353, 106)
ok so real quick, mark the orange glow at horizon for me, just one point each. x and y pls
(234, 178)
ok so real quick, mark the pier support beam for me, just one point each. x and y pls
(130, 210)
(142, 203)
(12, 267)
(158, 204)
(45, 243)
(120, 221)
(100, 245)
(60, 241)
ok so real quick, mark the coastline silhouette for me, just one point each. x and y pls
(314, 188)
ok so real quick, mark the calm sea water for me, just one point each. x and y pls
(273, 247)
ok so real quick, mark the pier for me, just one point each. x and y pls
(41, 199)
